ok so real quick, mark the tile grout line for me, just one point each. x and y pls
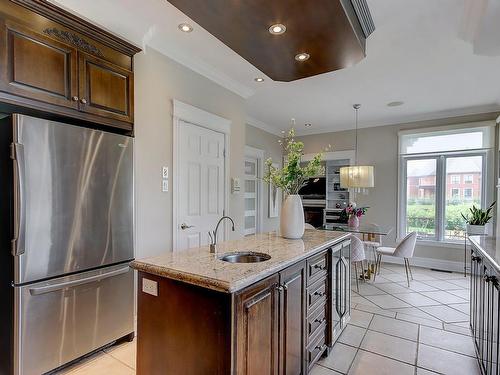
(358, 348)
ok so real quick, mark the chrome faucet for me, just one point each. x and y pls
(213, 234)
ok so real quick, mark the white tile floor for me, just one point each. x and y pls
(394, 330)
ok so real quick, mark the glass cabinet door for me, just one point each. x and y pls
(336, 294)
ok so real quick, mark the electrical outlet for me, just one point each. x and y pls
(164, 172)
(164, 186)
(150, 287)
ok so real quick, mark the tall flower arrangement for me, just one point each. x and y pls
(292, 176)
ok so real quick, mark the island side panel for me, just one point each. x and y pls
(186, 329)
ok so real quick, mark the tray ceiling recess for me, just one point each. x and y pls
(320, 36)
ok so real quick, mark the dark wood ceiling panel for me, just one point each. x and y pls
(328, 30)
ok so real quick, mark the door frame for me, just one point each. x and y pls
(196, 116)
(258, 154)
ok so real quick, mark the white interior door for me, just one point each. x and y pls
(251, 195)
(201, 184)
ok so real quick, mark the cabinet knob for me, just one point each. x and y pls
(280, 288)
(75, 98)
(83, 101)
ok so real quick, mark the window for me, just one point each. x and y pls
(432, 166)
(468, 193)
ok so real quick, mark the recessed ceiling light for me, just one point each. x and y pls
(302, 56)
(395, 104)
(308, 125)
(259, 79)
(277, 29)
(185, 27)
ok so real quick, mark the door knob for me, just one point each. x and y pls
(83, 101)
(184, 226)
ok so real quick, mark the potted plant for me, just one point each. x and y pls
(477, 219)
(354, 214)
(290, 179)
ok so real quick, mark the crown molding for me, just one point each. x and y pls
(263, 126)
(208, 71)
(488, 109)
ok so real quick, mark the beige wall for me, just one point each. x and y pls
(268, 142)
(378, 146)
(158, 80)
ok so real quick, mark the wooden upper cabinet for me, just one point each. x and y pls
(105, 89)
(55, 62)
(36, 66)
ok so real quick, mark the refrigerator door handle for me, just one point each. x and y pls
(18, 242)
(68, 284)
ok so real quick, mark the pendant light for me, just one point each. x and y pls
(356, 176)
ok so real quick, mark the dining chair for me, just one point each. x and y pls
(403, 250)
(357, 256)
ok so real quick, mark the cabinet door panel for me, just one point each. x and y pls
(105, 89)
(257, 331)
(335, 295)
(293, 318)
(36, 66)
(495, 349)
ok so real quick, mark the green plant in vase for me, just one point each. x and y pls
(477, 219)
(290, 178)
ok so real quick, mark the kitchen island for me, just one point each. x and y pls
(199, 314)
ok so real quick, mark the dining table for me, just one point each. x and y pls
(369, 232)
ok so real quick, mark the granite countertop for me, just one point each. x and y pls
(490, 248)
(198, 267)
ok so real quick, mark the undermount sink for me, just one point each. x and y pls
(245, 257)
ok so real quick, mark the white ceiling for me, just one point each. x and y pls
(417, 54)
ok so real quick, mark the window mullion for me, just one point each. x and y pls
(440, 197)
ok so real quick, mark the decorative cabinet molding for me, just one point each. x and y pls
(75, 40)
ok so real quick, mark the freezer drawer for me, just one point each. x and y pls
(63, 319)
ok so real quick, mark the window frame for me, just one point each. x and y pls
(440, 204)
(458, 192)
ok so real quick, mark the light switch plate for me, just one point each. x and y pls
(164, 172)
(150, 287)
(164, 186)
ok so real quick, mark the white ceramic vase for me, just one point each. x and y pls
(292, 217)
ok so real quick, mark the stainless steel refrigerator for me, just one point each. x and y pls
(67, 225)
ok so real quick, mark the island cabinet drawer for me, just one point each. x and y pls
(316, 347)
(315, 320)
(316, 293)
(317, 266)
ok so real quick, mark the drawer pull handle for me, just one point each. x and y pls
(319, 347)
(321, 294)
(319, 320)
(319, 267)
